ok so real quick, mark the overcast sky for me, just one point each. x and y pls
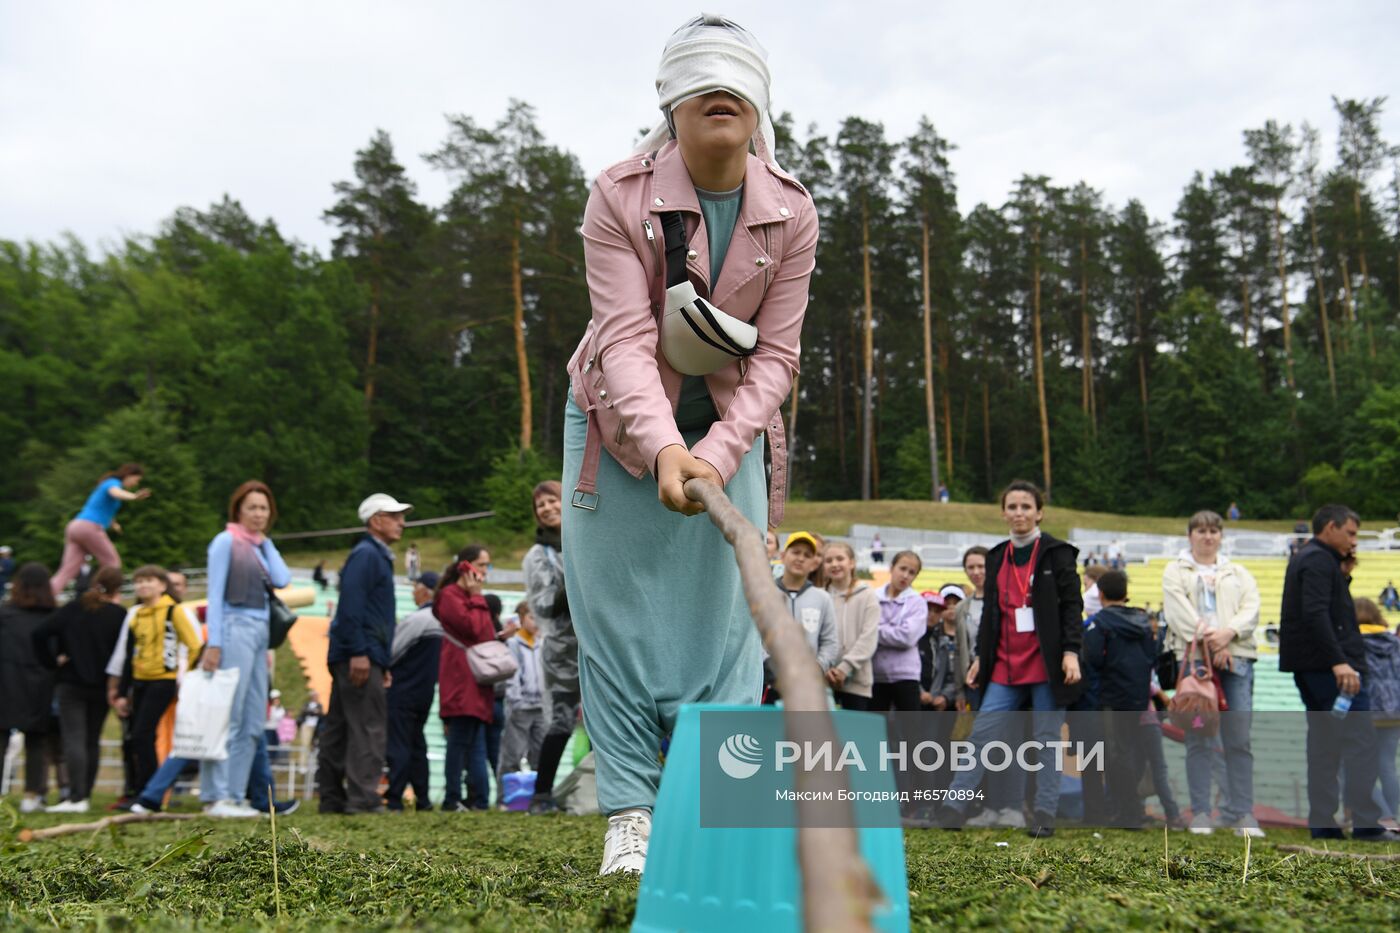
(114, 114)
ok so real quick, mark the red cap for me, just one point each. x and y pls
(933, 598)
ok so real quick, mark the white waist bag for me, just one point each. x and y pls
(202, 714)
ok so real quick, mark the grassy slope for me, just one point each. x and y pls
(511, 872)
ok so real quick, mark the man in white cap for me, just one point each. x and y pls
(362, 633)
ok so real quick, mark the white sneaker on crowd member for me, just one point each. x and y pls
(1248, 826)
(231, 810)
(1012, 818)
(137, 808)
(625, 846)
(70, 806)
(31, 804)
(1202, 825)
(989, 818)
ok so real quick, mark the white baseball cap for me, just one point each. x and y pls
(952, 590)
(381, 502)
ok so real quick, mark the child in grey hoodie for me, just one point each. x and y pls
(810, 607)
(524, 728)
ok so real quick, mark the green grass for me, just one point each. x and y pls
(497, 871)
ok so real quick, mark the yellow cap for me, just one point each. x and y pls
(801, 536)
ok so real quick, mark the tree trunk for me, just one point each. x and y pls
(1322, 314)
(945, 342)
(372, 352)
(868, 343)
(1087, 372)
(947, 434)
(1039, 361)
(1360, 237)
(1245, 309)
(1346, 284)
(1283, 298)
(962, 439)
(929, 405)
(875, 442)
(522, 362)
(987, 437)
(1142, 376)
(840, 414)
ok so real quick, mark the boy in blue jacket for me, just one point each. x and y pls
(1119, 649)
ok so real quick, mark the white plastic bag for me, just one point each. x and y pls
(202, 714)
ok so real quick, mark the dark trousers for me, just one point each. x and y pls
(494, 730)
(81, 712)
(1157, 762)
(851, 701)
(352, 742)
(149, 701)
(41, 749)
(1332, 741)
(1125, 760)
(466, 744)
(260, 779)
(407, 754)
(562, 710)
(902, 695)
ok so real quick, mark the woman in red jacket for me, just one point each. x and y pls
(463, 704)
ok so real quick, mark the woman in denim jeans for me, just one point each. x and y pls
(1204, 591)
(243, 561)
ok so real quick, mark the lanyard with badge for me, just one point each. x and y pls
(1025, 614)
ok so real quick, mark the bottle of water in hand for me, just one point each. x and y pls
(1342, 705)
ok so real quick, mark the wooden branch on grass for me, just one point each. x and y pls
(69, 829)
(838, 892)
(1328, 853)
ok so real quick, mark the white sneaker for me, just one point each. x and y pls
(1201, 825)
(1249, 826)
(138, 809)
(70, 806)
(625, 846)
(1012, 818)
(987, 819)
(230, 810)
(31, 805)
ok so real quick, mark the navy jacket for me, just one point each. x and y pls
(364, 617)
(1317, 625)
(1119, 649)
(418, 650)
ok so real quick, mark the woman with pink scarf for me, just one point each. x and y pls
(243, 562)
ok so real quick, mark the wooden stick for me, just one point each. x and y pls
(69, 829)
(1328, 853)
(838, 892)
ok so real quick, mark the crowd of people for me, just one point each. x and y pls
(958, 648)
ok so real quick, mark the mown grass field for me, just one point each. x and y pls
(498, 871)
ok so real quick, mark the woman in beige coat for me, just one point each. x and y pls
(1202, 590)
(857, 627)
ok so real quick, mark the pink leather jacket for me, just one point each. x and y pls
(619, 375)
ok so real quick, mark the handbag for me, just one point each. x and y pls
(280, 619)
(491, 662)
(1195, 705)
